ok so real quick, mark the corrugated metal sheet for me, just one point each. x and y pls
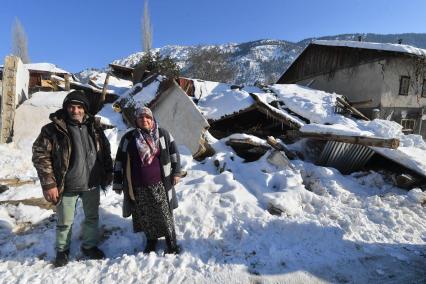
(345, 157)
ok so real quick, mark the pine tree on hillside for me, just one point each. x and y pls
(156, 64)
(210, 64)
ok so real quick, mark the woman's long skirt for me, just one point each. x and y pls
(152, 214)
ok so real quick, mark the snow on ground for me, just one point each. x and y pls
(334, 228)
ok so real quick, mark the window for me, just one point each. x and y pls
(404, 83)
(424, 89)
(408, 125)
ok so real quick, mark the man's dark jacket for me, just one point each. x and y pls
(52, 151)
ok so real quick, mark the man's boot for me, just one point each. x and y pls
(150, 246)
(93, 253)
(62, 258)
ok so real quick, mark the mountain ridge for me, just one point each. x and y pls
(264, 60)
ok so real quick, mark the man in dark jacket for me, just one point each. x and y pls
(72, 157)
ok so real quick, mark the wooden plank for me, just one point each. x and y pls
(104, 91)
(269, 111)
(391, 143)
(246, 142)
(15, 182)
(351, 108)
(40, 202)
(280, 147)
(360, 103)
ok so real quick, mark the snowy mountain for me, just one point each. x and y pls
(266, 60)
(262, 60)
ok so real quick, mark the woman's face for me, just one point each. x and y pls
(145, 122)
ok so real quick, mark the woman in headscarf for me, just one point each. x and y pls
(147, 166)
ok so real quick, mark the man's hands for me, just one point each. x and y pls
(51, 195)
(176, 180)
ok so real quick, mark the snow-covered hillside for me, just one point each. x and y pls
(263, 60)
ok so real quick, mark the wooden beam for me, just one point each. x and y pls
(15, 181)
(351, 108)
(104, 91)
(391, 143)
(40, 202)
(67, 82)
(361, 103)
(269, 111)
(280, 147)
(247, 143)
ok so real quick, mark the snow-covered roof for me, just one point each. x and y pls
(142, 94)
(218, 100)
(318, 107)
(402, 48)
(45, 67)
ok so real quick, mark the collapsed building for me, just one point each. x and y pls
(256, 119)
(339, 135)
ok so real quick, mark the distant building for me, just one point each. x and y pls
(40, 75)
(383, 80)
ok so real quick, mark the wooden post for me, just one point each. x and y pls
(104, 91)
(67, 82)
(8, 100)
(422, 115)
(392, 143)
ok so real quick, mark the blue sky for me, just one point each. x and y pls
(79, 34)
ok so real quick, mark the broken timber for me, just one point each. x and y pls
(280, 147)
(103, 94)
(351, 108)
(391, 143)
(246, 142)
(40, 202)
(15, 182)
(247, 148)
(269, 111)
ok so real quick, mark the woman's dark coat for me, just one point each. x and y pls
(170, 168)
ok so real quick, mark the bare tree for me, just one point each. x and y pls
(19, 41)
(146, 29)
